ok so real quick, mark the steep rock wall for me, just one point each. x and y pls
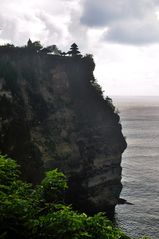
(54, 116)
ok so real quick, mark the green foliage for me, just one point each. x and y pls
(53, 186)
(16, 204)
(144, 237)
(70, 224)
(28, 212)
(9, 171)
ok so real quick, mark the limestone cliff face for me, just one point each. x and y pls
(52, 115)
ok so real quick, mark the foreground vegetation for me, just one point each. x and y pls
(39, 212)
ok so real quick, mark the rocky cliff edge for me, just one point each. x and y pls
(53, 115)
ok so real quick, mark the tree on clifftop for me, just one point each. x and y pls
(36, 46)
(74, 50)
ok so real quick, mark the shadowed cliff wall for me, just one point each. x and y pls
(52, 115)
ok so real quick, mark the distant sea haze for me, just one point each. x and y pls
(140, 163)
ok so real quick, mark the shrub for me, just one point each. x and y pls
(28, 212)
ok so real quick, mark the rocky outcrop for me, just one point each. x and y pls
(53, 115)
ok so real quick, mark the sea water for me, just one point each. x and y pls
(140, 166)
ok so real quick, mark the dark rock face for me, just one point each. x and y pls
(52, 115)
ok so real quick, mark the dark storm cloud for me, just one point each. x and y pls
(127, 21)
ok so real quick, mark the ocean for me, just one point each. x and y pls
(140, 166)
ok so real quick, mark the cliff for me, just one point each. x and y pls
(53, 115)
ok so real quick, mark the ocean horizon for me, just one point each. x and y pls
(140, 166)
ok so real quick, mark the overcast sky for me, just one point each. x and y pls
(123, 36)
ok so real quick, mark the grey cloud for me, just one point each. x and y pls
(78, 32)
(36, 19)
(13, 31)
(102, 12)
(134, 32)
(8, 29)
(52, 32)
(132, 22)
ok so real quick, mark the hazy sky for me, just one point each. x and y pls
(123, 36)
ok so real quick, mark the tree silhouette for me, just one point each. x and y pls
(36, 45)
(73, 50)
(29, 43)
(54, 49)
